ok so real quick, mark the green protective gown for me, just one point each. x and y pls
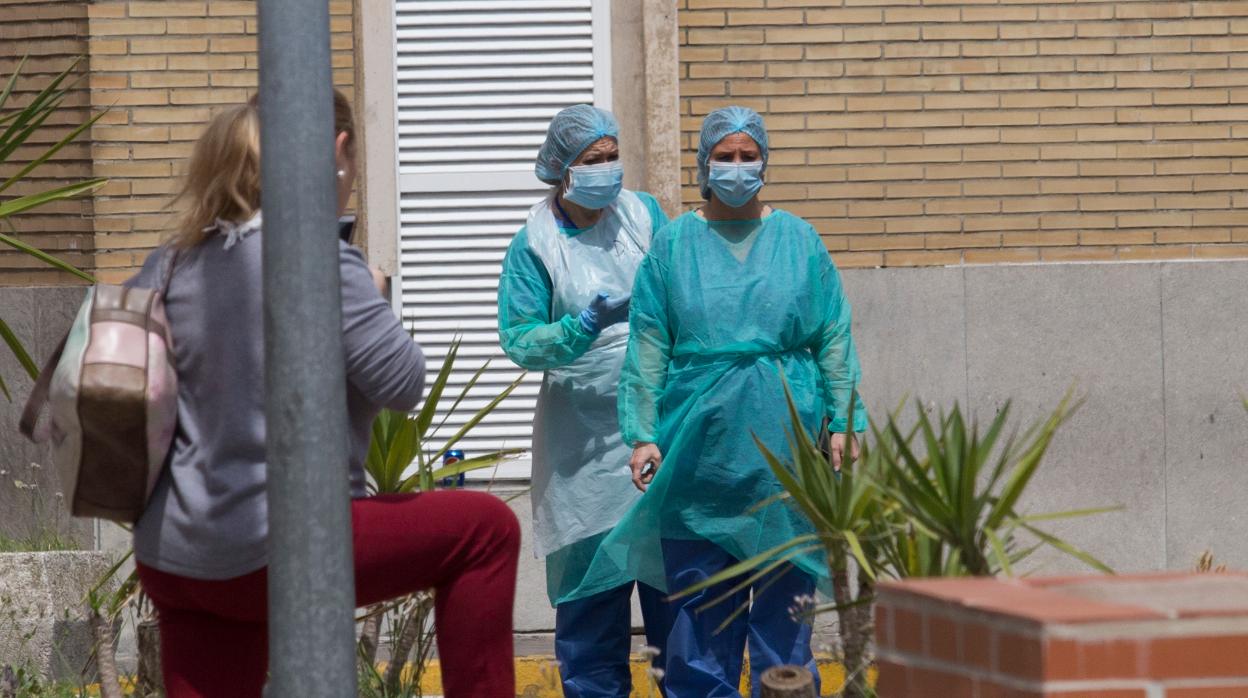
(580, 464)
(721, 312)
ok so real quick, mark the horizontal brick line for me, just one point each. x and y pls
(1009, 681)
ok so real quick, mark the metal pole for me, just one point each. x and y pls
(311, 585)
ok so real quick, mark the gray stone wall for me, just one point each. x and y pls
(1156, 350)
(39, 316)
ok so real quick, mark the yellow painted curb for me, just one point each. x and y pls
(538, 677)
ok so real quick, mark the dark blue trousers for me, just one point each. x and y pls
(704, 664)
(593, 640)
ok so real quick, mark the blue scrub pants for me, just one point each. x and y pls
(703, 664)
(593, 637)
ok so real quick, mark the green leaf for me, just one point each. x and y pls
(865, 565)
(47, 154)
(8, 88)
(19, 351)
(40, 107)
(476, 418)
(425, 418)
(68, 191)
(45, 257)
(1067, 548)
(93, 597)
(744, 606)
(478, 463)
(745, 566)
(463, 394)
(1070, 514)
(748, 580)
(998, 549)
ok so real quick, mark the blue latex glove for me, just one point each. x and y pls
(604, 311)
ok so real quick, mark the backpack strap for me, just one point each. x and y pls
(168, 275)
(39, 394)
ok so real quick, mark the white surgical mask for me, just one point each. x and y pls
(595, 186)
(735, 183)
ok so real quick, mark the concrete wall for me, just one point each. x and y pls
(1157, 350)
(39, 317)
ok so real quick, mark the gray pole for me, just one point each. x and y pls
(311, 585)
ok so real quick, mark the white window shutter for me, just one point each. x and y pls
(478, 81)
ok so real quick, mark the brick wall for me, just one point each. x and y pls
(50, 35)
(929, 132)
(163, 68)
(1143, 636)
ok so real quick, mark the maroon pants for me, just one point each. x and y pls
(464, 545)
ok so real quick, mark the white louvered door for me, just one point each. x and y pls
(478, 81)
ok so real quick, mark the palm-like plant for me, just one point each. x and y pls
(17, 126)
(949, 510)
(964, 490)
(401, 441)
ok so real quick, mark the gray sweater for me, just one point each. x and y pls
(208, 516)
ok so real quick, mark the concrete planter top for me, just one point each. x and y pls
(43, 623)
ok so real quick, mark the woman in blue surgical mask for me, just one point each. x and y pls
(734, 301)
(563, 303)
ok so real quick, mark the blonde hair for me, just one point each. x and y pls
(223, 175)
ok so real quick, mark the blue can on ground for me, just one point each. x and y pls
(451, 458)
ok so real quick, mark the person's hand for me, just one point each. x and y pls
(604, 311)
(644, 464)
(380, 280)
(838, 449)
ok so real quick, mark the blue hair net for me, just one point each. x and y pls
(722, 123)
(572, 131)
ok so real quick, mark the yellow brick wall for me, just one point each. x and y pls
(50, 35)
(162, 69)
(929, 132)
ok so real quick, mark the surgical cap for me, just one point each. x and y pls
(572, 131)
(722, 123)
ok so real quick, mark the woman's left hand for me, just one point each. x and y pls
(838, 449)
(380, 281)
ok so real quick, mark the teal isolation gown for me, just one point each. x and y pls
(721, 313)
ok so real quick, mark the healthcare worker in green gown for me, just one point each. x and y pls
(733, 300)
(563, 301)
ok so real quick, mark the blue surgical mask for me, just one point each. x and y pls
(735, 183)
(595, 186)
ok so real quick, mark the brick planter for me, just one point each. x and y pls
(1147, 636)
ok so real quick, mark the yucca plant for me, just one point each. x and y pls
(947, 511)
(17, 126)
(401, 441)
(847, 509)
(964, 490)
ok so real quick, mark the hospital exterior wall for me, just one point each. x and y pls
(49, 36)
(934, 132)
(160, 69)
(168, 67)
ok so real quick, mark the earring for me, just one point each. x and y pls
(342, 173)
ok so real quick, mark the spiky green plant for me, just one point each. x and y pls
(17, 127)
(401, 441)
(964, 489)
(948, 510)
